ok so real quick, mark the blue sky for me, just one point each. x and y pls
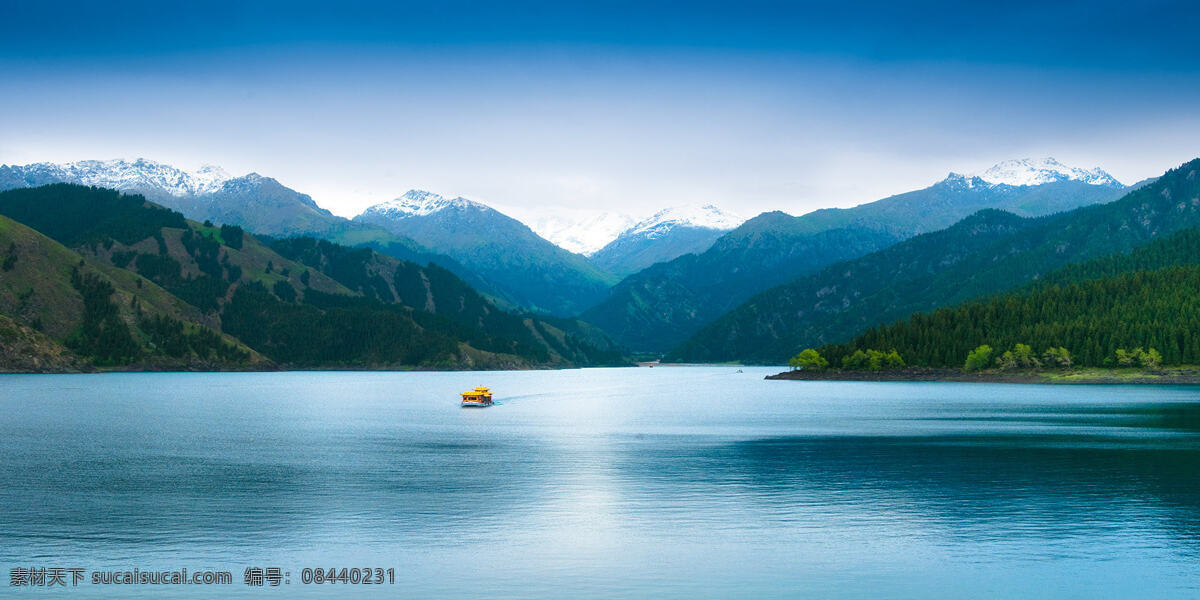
(627, 106)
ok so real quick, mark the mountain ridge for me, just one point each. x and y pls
(658, 308)
(1024, 172)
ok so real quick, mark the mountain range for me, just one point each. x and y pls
(256, 203)
(989, 252)
(661, 306)
(661, 281)
(261, 205)
(518, 269)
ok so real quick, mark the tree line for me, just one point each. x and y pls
(1155, 310)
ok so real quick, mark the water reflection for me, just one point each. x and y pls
(680, 483)
(1046, 473)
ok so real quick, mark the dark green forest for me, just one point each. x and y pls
(102, 336)
(360, 332)
(106, 340)
(1149, 298)
(82, 215)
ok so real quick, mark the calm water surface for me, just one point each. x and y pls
(606, 483)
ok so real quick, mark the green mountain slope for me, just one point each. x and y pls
(436, 293)
(628, 254)
(108, 316)
(25, 350)
(660, 307)
(1144, 299)
(265, 207)
(299, 302)
(984, 254)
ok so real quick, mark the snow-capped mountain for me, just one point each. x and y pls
(137, 175)
(1030, 171)
(666, 235)
(257, 203)
(522, 268)
(703, 217)
(419, 203)
(580, 231)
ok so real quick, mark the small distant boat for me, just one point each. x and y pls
(479, 397)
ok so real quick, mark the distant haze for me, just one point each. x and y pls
(627, 109)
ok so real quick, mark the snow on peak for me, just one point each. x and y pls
(142, 174)
(211, 176)
(583, 231)
(1035, 171)
(419, 203)
(705, 217)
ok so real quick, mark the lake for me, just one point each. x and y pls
(696, 482)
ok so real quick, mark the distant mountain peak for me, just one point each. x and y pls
(1033, 171)
(420, 203)
(580, 230)
(705, 217)
(664, 236)
(211, 175)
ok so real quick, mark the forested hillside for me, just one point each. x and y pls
(657, 308)
(1146, 299)
(456, 306)
(330, 307)
(103, 315)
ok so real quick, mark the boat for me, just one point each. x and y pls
(479, 397)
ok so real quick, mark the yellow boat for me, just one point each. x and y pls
(477, 398)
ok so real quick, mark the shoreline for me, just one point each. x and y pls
(1089, 375)
(337, 369)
